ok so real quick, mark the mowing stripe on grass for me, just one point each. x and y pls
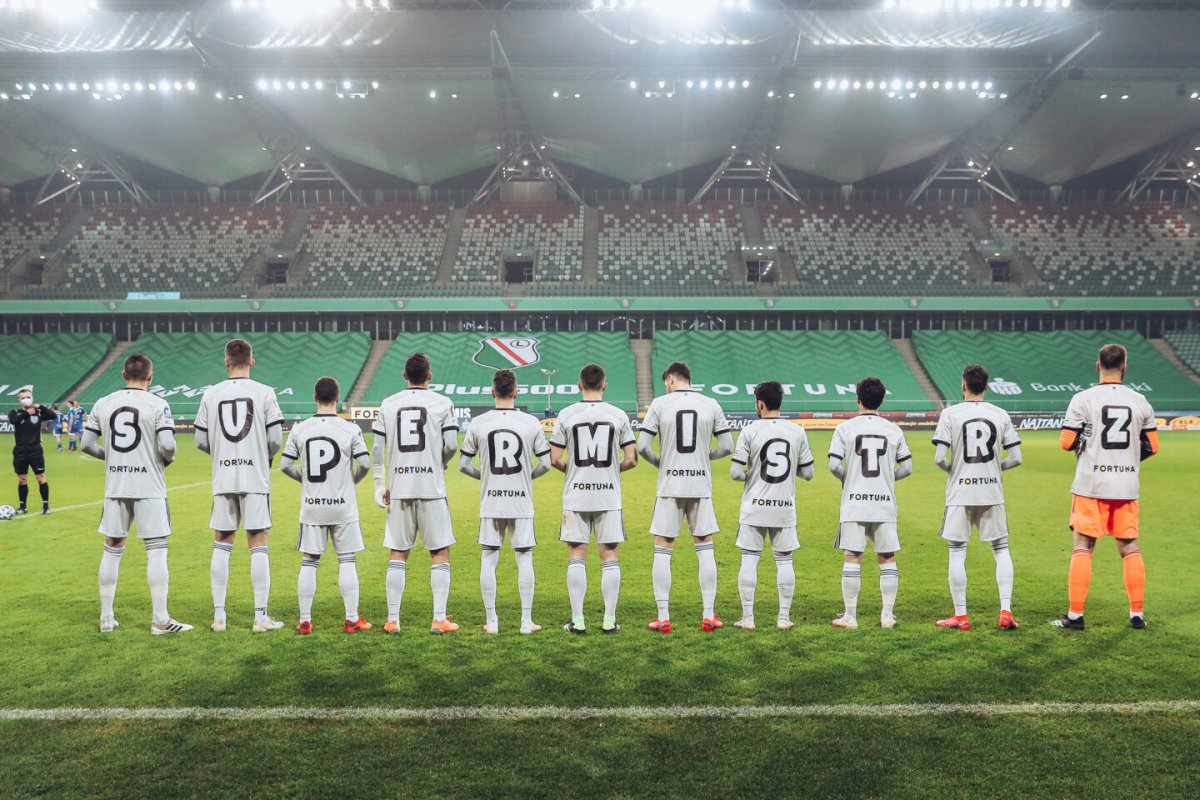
(36, 514)
(453, 713)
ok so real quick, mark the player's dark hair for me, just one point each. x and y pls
(239, 352)
(679, 370)
(54, 407)
(592, 377)
(504, 383)
(137, 367)
(770, 393)
(416, 369)
(976, 378)
(326, 391)
(1112, 356)
(870, 393)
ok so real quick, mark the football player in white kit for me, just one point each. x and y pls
(592, 442)
(868, 455)
(416, 435)
(770, 454)
(333, 457)
(512, 452)
(139, 444)
(240, 425)
(684, 421)
(969, 438)
(1111, 429)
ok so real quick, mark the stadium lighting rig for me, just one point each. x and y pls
(909, 88)
(101, 89)
(308, 8)
(678, 9)
(932, 6)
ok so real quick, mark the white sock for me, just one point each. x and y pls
(785, 582)
(158, 578)
(439, 582)
(487, 581)
(958, 577)
(348, 584)
(610, 588)
(577, 588)
(707, 556)
(1004, 572)
(525, 583)
(260, 580)
(748, 582)
(889, 585)
(110, 569)
(661, 578)
(397, 571)
(306, 587)
(218, 575)
(851, 585)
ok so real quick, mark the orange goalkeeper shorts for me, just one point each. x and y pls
(1096, 518)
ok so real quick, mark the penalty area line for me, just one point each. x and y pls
(60, 509)
(455, 713)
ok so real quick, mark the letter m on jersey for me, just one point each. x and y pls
(507, 352)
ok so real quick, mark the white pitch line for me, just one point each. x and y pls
(509, 713)
(35, 514)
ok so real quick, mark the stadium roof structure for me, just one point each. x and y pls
(635, 90)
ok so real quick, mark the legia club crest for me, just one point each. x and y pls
(507, 352)
(1001, 386)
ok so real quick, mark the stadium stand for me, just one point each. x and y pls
(874, 250)
(1041, 371)
(186, 363)
(662, 248)
(52, 363)
(1187, 347)
(463, 364)
(1103, 250)
(821, 367)
(23, 228)
(194, 249)
(372, 251)
(553, 231)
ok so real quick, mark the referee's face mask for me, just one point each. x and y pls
(27, 400)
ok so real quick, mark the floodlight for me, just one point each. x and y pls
(319, 84)
(577, 95)
(633, 84)
(261, 84)
(433, 94)
(554, 93)
(276, 85)
(704, 84)
(291, 85)
(745, 84)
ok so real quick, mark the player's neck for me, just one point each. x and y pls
(973, 398)
(240, 372)
(326, 410)
(1115, 376)
(681, 387)
(593, 397)
(506, 404)
(419, 385)
(143, 385)
(770, 415)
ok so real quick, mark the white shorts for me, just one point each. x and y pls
(577, 527)
(990, 521)
(670, 513)
(520, 532)
(233, 511)
(347, 538)
(429, 518)
(152, 517)
(753, 537)
(853, 537)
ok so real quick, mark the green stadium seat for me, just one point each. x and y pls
(52, 363)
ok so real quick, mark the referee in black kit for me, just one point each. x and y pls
(27, 447)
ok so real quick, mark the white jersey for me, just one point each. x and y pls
(593, 433)
(684, 421)
(869, 447)
(977, 433)
(1109, 418)
(236, 414)
(773, 451)
(508, 443)
(326, 447)
(129, 421)
(413, 422)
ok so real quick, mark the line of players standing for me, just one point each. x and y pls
(239, 423)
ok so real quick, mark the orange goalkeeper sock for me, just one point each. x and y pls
(1135, 582)
(1079, 580)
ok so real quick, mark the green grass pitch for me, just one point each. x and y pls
(51, 656)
